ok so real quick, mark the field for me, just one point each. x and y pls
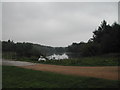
(15, 77)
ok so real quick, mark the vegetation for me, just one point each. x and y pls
(15, 77)
(17, 50)
(86, 61)
(106, 39)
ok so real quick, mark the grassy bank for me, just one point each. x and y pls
(86, 61)
(14, 77)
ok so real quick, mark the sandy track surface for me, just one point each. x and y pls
(16, 63)
(105, 72)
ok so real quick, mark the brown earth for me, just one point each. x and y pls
(105, 72)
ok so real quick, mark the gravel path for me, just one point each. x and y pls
(105, 72)
(16, 63)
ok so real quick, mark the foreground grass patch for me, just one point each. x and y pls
(15, 77)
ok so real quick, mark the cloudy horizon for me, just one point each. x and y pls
(56, 24)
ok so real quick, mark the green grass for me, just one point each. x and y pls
(86, 61)
(14, 77)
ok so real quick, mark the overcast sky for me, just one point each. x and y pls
(55, 24)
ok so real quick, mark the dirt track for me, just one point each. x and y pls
(106, 72)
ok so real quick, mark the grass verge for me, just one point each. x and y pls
(86, 61)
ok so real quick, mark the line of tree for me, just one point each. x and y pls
(106, 39)
(29, 49)
(20, 49)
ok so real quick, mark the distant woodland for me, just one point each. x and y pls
(106, 39)
(26, 49)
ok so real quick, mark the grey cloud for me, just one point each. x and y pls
(55, 24)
